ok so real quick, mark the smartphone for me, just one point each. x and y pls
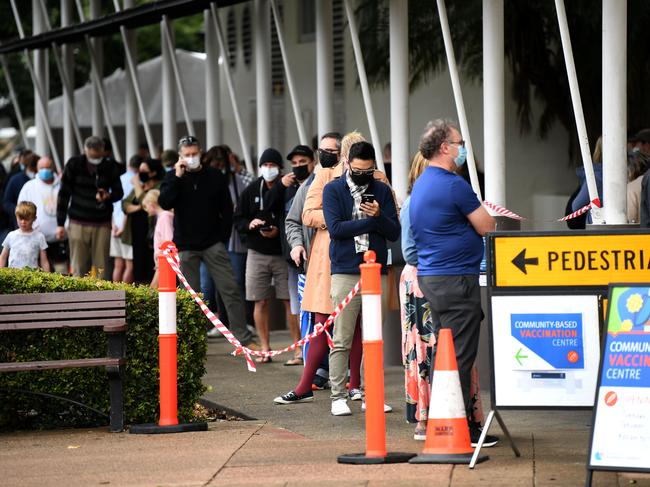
(367, 198)
(266, 228)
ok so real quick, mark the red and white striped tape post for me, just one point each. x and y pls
(167, 357)
(240, 349)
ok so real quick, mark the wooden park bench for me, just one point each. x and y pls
(73, 310)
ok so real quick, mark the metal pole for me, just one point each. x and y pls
(399, 96)
(363, 80)
(458, 97)
(168, 93)
(262, 73)
(40, 62)
(99, 87)
(615, 110)
(583, 140)
(68, 93)
(231, 90)
(128, 39)
(213, 131)
(324, 67)
(494, 138)
(97, 43)
(41, 105)
(14, 100)
(300, 125)
(67, 59)
(167, 34)
(131, 128)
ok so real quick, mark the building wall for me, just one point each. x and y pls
(537, 169)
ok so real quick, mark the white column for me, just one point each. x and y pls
(213, 128)
(324, 67)
(97, 115)
(363, 81)
(41, 74)
(262, 73)
(399, 96)
(615, 111)
(168, 94)
(67, 60)
(131, 127)
(583, 140)
(494, 138)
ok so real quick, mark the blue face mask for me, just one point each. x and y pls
(461, 157)
(45, 174)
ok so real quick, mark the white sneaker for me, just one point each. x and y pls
(340, 408)
(213, 333)
(387, 408)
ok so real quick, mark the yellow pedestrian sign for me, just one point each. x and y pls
(580, 259)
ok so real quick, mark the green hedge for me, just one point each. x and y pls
(90, 386)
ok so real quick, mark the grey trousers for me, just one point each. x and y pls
(455, 303)
(217, 261)
(344, 326)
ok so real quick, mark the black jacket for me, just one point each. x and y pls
(79, 185)
(251, 206)
(202, 208)
(280, 197)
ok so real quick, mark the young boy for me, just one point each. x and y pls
(25, 247)
(164, 226)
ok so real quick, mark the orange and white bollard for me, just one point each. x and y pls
(167, 358)
(373, 373)
(167, 338)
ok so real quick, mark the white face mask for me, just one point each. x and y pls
(193, 162)
(269, 173)
(95, 162)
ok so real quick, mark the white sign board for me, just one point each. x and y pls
(546, 350)
(621, 427)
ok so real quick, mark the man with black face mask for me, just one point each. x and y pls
(361, 215)
(281, 196)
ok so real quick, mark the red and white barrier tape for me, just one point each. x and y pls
(247, 352)
(510, 214)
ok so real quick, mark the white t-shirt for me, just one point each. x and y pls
(44, 196)
(24, 248)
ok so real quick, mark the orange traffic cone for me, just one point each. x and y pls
(447, 431)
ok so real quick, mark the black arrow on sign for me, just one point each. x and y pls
(521, 261)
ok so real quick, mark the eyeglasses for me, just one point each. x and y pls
(188, 140)
(362, 171)
(460, 142)
(329, 151)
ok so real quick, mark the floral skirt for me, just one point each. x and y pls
(418, 340)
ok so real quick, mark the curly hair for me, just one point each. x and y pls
(435, 133)
(348, 141)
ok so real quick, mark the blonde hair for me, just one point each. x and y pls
(348, 141)
(26, 210)
(418, 165)
(151, 198)
(597, 158)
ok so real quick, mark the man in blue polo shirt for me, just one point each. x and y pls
(448, 223)
(361, 215)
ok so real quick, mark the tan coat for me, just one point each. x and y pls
(316, 297)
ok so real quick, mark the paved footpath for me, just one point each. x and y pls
(292, 445)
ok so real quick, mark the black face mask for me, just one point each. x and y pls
(301, 172)
(361, 178)
(144, 177)
(327, 159)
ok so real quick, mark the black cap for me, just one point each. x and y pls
(271, 155)
(301, 150)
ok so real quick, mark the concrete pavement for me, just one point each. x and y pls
(292, 445)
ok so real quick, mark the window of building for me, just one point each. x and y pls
(306, 20)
